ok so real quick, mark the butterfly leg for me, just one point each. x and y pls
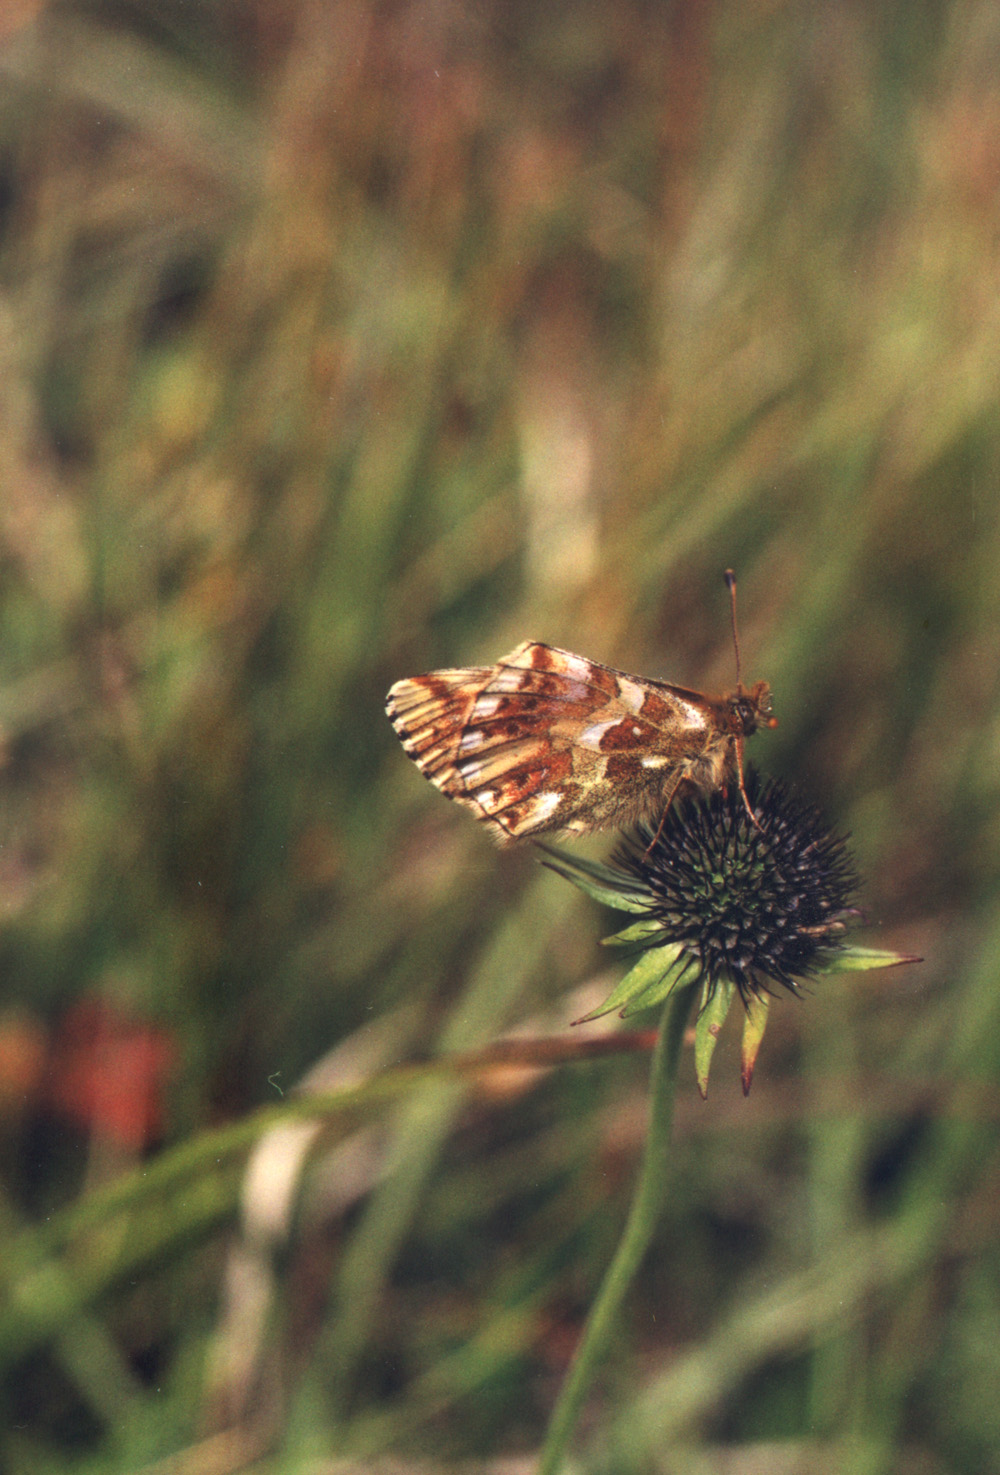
(663, 817)
(739, 769)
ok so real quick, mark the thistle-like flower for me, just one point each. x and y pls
(737, 907)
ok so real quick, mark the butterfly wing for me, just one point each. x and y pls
(549, 742)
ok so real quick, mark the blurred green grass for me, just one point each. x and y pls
(340, 342)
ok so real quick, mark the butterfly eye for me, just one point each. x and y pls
(747, 712)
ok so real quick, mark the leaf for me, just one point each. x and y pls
(856, 959)
(753, 1033)
(711, 1017)
(651, 979)
(598, 881)
(638, 932)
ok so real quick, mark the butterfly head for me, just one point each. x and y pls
(751, 709)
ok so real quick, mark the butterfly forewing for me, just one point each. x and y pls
(546, 741)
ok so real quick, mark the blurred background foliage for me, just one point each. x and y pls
(341, 340)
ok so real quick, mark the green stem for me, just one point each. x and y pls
(638, 1232)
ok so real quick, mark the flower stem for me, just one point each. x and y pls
(638, 1232)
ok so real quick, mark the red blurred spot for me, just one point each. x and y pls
(106, 1073)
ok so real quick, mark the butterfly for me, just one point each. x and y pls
(547, 742)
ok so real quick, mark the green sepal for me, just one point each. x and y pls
(638, 932)
(753, 1032)
(712, 1013)
(655, 973)
(852, 959)
(608, 887)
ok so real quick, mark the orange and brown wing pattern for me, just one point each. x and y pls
(549, 742)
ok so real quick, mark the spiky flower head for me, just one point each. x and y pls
(734, 905)
(756, 906)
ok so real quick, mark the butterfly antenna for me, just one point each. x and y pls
(731, 586)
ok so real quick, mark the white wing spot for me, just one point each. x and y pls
(577, 666)
(654, 760)
(486, 797)
(631, 693)
(471, 738)
(693, 716)
(542, 806)
(485, 706)
(591, 736)
(506, 680)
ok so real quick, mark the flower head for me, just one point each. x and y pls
(756, 906)
(736, 906)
